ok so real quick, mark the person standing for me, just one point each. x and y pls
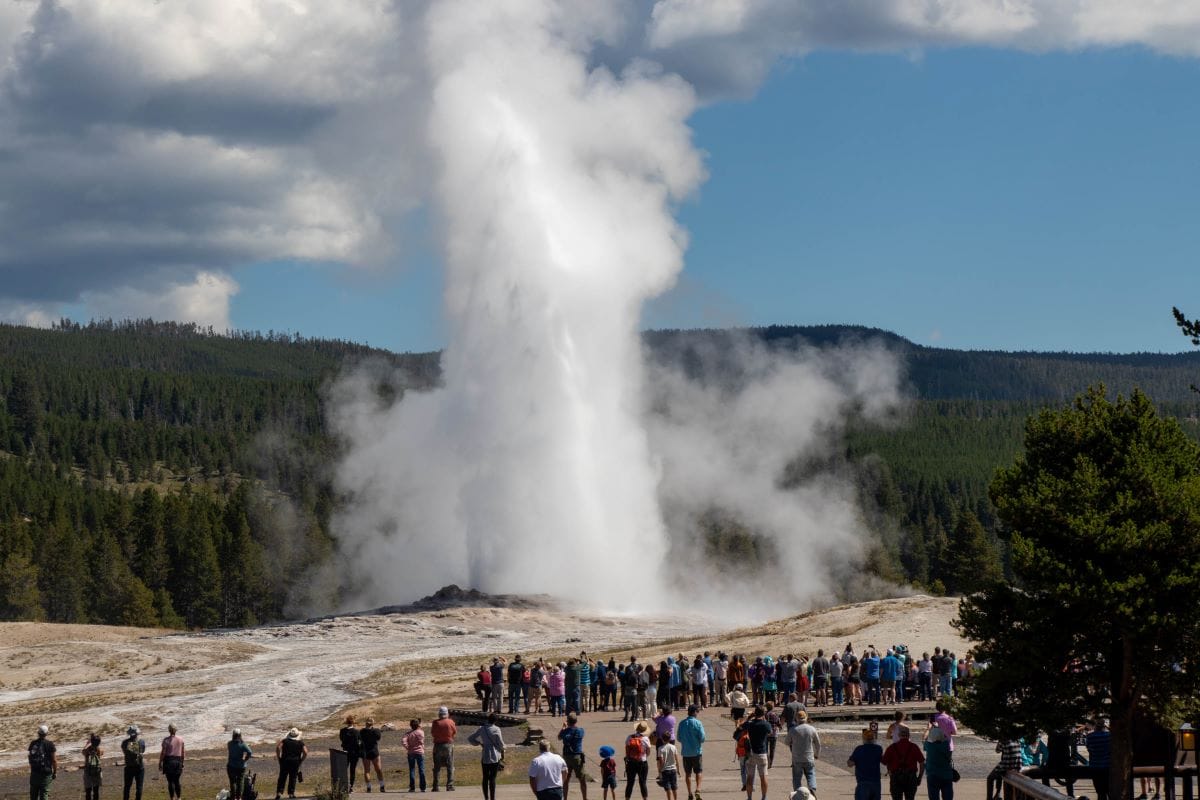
(491, 742)
(837, 682)
(637, 760)
(572, 673)
(443, 730)
(556, 691)
(668, 767)
(170, 762)
(759, 732)
(608, 772)
(516, 677)
(805, 744)
(546, 773)
(352, 747)
(866, 759)
(720, 673)
(905, 764)
(943, 720)
(1099, 746)
(738, 703)
(290, 752)
(414, 748)
(939, 771)
(133, 748)
(571, 737)
(93, 768)
(691, 747)
(235, 764)
(43, 764)
(497, 670)
(370, 736)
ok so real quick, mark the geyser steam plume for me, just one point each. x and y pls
(555, 188)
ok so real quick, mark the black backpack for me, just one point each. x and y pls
(248, 790)
(39, 761)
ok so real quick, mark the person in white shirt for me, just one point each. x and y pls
(668, 767)
(546, 773)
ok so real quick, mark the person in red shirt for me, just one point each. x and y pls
(905, 765)
(443, 731)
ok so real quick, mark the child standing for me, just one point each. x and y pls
(668, 766)
(608, 772)
(414, 745)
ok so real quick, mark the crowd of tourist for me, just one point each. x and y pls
(582, 684)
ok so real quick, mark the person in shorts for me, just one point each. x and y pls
(668, 767)
(608, 772)
(571, 737)
(691, 736)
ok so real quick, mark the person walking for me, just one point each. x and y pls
(414, 749)
(571, 737)
(370, 737)
(546, 773)
(691, 737)
(805, 744)
(491, 758)
(905, 765)
(235, 764)
(939, 771)
(133, 748)
(866, 759)
(43, 764)
(443, 730)
(738, 703)
(352, 747)
(170, 762)
(290, 752)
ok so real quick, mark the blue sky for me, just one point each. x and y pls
(966, 198)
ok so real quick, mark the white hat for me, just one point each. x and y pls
(294, 733)
(443, 712)
(43, 730)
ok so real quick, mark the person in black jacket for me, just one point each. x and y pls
(352, 747)
(290, 752)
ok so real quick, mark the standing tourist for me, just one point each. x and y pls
(637, 760)
(668, 767)
(237, 754)
(491, 757)
(939, 771)
(352, 743)
(546, 773)
(866, 759)
(758, 731)
(905, 763)
(370, 736)
(133, 748)
(170, 762)
(290, 752)
(43, 764)
(443, 731)
(805, 744)
(414, 749)
(93, 768)
(691, 747)
(571, 737)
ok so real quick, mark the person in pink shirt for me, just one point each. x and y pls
(946, 722)
(170, 762)
(414, 745)
(556, 690)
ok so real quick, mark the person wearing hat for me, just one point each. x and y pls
(290, 752)
(738, 702)
(691, 747)
(805, 744)
(43, 764)
(866, 759)
(637, 760)
(235, 764)
(170, 762)
(906, 765)
(133, 748)
(443, 730)
(608, 772)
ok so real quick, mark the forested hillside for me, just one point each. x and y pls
(154, 473)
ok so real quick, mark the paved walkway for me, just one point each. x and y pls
(721, 775)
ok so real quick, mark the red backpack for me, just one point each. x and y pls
(635, 747)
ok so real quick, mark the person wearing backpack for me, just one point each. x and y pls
(637, 760)
(134, 750)
(43, 765)
(491, 743)
(235, 764)
(93, 768)
(352, 747)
